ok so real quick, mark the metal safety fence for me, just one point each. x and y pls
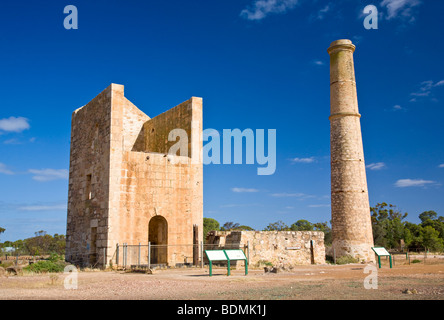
(167, 255)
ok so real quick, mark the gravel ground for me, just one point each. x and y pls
(324, 282)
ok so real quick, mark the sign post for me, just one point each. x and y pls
(236, 255)
(226, 255)
(216, 255)
(382, 252)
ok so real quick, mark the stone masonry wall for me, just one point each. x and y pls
(131, 185)
(283, 249)
(88, 196)
(147, 184)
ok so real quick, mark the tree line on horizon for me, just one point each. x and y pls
(41, 244)
(390, 230)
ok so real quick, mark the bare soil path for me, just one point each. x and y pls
(321, 282)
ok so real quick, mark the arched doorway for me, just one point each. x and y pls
(158, 237)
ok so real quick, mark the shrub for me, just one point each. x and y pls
(416, 261)
(46, 266)
(346, 260)
(264, 263)
(6, 264)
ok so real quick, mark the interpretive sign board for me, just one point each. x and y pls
(235, 254)
(382, 252)
(216, 255)
(226, 255)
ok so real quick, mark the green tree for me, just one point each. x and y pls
(40, 244)
(58, 244)
(428, 215)
(246, 228)
(302, 225)
(210, 224)
(431, 240)
(277, 226)
(387, 225)
(2, 230)
(229, 226)
(429, 218)
(414, 233)
(323, 226)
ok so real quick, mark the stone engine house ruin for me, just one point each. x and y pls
(124, 187)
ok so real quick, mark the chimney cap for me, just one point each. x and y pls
(341, 44)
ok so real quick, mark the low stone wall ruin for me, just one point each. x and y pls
(282, 249)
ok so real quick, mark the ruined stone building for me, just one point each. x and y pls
(283, 249)
(124, 187)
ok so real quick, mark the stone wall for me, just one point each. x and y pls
(89, 174)
(131, 180)
(283, 249)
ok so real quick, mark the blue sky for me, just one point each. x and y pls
(257, 64)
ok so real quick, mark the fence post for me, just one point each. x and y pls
(138, 261)
(117, 255)
(248, 248)
(201, 254)
(149, 255)
(195, 245)
(125, 252)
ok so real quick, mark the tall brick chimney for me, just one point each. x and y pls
(350, 209)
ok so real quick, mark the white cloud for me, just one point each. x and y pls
(12, 141)
(261, 8)
(318, 62)
(441, 165)
(403, 183)
(4, 169)
(400, 8)
(14, 124)
(321, 13)
(43, 207)
(303, 160)
(49, 174)
(376, 166)
(396, 108)
(241, 190)
(292, 195)
(241, 205)
(425, 89)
